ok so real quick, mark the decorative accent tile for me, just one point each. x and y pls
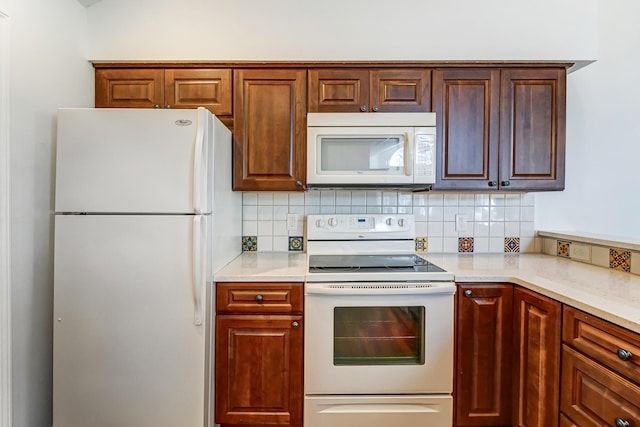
(421, 244)
(296, 243)
(563, 248)
(249, 243)
(465, 244)
(619, 259)
(512, 244)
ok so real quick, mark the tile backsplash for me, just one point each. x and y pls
(275, 221)
(601, 253)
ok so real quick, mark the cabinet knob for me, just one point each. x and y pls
(375, 108)
(622, 422)
(259, 298)
(363, 108)
(295, 325)
(468, 293)
(506, 183)
(167, 106)
(493, 184)
(156, 106)
(624, 354)
(299, 183)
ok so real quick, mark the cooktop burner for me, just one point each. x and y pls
(370, 263)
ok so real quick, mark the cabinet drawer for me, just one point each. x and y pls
(607, 343)
(593, 395)
(259, 297)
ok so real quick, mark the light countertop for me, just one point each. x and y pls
(264, 267)
(606, 293)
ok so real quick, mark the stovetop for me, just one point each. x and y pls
(367, 247)
(371, 263)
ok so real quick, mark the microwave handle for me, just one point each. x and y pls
(408, 161)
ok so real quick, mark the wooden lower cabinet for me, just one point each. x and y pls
(595, 396)
(483, 355)
(259, 354)
(536, 379)
(259, 370)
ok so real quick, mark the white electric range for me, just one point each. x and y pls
(379, 325)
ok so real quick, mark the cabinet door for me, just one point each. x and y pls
(537, 363)
(339, 90)
(466, 103)
(532, 129)
(400, 90)
(269, 138)
(193, 88)
(129, 88)
(483, 355)
(259, 370)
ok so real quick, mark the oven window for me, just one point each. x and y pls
(378, 336)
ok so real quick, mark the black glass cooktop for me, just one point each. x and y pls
(370, 263)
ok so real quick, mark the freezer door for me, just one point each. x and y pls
(133, 160)
(130, 345)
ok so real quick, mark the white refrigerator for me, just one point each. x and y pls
(144, 215)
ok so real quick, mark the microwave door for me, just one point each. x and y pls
(360, 156)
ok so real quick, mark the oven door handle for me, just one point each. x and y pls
(380, 289)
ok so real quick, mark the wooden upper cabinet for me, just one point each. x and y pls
(532, 129)
(466, 103)
(537, 338)
(500, 129)
(129, 88)
(192, 88)
(483, 355)
(383, 90)
(165, 88)
(269, 138)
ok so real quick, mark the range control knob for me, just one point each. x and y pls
(401, 222)
(389, 221)
(332, 222)
(319, 223)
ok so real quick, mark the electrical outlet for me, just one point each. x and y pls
(462, 223)
(292, 222)
(580, 252)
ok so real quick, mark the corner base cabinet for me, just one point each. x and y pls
(537, 337)
(259, 341)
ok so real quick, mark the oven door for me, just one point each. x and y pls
(378, 338)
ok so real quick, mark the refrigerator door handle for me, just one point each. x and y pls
(199, 175)
(199, 249)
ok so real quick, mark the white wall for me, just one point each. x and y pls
(48, 70)
(338, 29)
(602, 114)
(602, 194)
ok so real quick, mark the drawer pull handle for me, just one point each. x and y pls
(624, 355)
(622, 423)
(295, 325)
(259, 298)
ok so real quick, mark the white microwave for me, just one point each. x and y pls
(371, 150)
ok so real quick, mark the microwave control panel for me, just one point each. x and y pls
(425, 158)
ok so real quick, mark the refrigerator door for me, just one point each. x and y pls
(133, 160)
(130, 345)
